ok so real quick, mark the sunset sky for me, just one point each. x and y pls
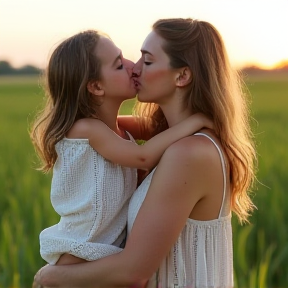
(255, 31)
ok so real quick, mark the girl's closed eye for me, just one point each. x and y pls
(147, 63)
(120, 67)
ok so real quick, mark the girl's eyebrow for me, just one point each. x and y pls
(119, 57)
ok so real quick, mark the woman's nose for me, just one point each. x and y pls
(137, 69)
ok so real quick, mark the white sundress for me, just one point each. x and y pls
(202, 257)
(91, 195)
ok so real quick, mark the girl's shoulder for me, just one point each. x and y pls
(83, 128)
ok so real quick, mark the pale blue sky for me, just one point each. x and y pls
(255, 31)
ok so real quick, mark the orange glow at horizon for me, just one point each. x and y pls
(254, 32)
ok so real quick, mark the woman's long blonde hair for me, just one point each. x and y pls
(217, 91)
(71, 66)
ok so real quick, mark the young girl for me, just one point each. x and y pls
(78, 136)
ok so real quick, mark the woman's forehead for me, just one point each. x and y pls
(152, 43)
(153, 46)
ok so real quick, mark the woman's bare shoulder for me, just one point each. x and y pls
(192, 164)
(193, 148)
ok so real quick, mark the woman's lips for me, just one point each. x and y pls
(136, 83)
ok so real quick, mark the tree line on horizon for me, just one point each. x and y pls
(7, 69)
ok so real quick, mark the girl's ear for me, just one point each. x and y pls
(184, 77)
(95, 88)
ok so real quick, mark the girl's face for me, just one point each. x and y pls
(116, 71)
(156, 79)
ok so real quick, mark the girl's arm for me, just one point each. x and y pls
(130, 123)
(179, 182)
(127, 153)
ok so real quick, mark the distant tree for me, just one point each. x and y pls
(28, 69)
(7, 69)
(280, 68)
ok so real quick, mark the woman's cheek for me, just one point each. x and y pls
(154, 75)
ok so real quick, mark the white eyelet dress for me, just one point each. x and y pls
(202, 256)
(91, 195)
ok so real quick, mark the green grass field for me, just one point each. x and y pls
(260, 249)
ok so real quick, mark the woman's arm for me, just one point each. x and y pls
(126, 153)
(179, 182)
(130, 123)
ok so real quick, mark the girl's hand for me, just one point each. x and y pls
(206, 122)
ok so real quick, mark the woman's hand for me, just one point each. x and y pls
(38, 278)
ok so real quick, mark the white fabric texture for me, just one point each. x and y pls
(91, 195)
(202, 256)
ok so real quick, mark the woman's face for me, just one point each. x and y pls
(116, 71)
(156, 79)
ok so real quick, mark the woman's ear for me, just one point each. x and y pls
(184, 77)
(95, 88)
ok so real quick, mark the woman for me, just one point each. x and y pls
(182, 235)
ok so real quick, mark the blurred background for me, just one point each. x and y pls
(255, 33)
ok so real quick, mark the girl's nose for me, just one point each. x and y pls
(129, 65)
(135, 73)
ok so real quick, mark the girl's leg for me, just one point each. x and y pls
(67, 259)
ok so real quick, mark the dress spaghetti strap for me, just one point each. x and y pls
(223, 167)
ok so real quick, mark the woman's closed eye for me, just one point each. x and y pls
(147, 63)
(120, 67)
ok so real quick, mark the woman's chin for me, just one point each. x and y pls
(141, 99)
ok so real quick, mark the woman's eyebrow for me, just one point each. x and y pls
(146, 52)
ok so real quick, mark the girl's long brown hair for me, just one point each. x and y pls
(71, 66)
(217, 91)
